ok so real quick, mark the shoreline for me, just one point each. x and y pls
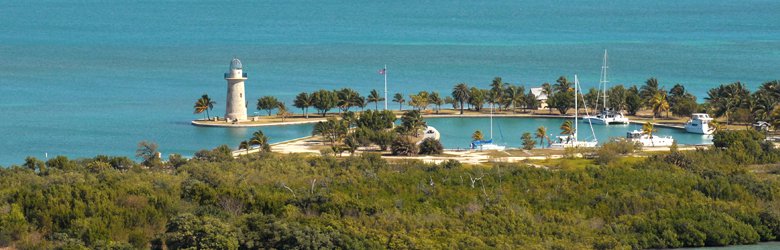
(208, 123)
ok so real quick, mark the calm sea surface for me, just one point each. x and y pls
(96, 77)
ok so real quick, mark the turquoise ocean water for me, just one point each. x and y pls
(96, 77)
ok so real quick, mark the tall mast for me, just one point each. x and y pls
(491, 121)
(385, 73)
(604, 79)
(576, 109)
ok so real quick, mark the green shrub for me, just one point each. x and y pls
(403, 146)
(430, 146)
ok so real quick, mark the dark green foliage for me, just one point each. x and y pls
(188, 231)
(681, 199)
(748, 139)
(267, 103)
(562, 101)
(684, 107)
(34, 164)
(403, 146)
(324, 101)
(383, 139)
(633, 101)
(61, 162)
(528, 141)
(411, 123)
(147, 151)
(332, 129)
(376, 120)
(218, 154)
(430, 146)
(176, 160)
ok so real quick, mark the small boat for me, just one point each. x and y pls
(699, 124)
(566, 141)
(606, 116)
(431, 132)
(648, 140)
(487, 144)
(570, 141)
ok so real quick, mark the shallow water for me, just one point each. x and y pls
(96, 77)
(456, 132)
(760, 246)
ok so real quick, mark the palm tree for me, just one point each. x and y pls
(774, 117)
(514, 95)
(244, 145)
(659, 104)
(259, 139)
(762, 106)
(649, 89)
(361, 102)
(282, 112)
(375, 98)
(399, 98)
(204, 104)
(411, 123)
(436, 100)
(648, 129)
(563, 85)
(477, 136)
(303, 101)
(496, 90)
(541, 133)
(567, 128)
(548, 91)
(461, 94)
(771, 87)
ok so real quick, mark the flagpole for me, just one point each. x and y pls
(385, 73)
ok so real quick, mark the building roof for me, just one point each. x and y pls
(539, 93)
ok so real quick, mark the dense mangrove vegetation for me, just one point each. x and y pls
(723, 195)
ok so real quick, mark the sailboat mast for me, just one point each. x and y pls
(385, 73)
(491, 121)
(576, 108)
(604, 79)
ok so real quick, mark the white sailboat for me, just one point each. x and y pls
(487, 144)
(606, 116)
(571, 141)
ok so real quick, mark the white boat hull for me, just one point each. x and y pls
(575, 144)
(605, 121)
(699, 124)
(699, 130)
(655, 142)
(491, 147)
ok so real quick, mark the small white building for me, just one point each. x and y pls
(541, 96)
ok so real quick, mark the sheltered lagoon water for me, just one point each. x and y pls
(82, 78)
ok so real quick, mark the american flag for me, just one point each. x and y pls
(382, 71)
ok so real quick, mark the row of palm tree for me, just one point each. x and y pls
(735, 103)
(504, 95)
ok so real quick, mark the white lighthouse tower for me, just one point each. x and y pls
(236, 98)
